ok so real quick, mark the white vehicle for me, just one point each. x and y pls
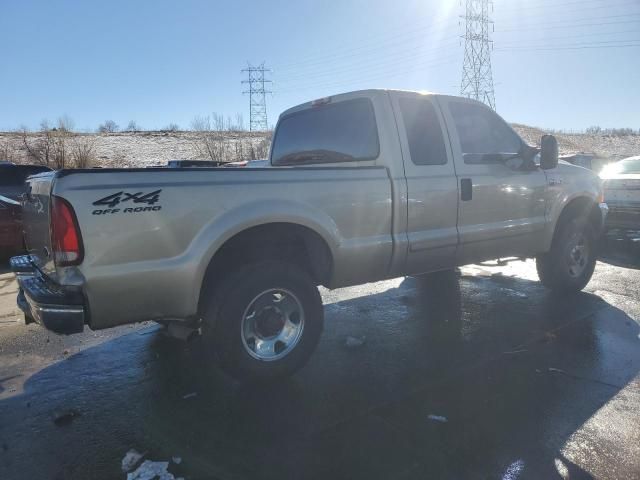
(622, 193)
(361, 187)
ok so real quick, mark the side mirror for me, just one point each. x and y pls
(548, 152)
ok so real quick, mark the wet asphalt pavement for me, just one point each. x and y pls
(478, 374)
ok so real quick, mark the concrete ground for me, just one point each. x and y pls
(482, 374)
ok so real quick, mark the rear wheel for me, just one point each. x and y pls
(570, 263)
(264, 321)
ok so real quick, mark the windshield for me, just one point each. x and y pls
(623, 167)
(631, 165)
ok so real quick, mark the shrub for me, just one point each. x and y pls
(82, 151)
(133, 126)
(109, 126)
(172, 127)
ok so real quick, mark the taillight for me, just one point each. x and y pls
(65, 234)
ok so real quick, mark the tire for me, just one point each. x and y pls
(570, 263)
(264, 321)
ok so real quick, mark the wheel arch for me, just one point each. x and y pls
(284, 240)
(580, 206)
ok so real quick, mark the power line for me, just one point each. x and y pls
(383, 70)
(368, 66)
(554, 5)
(372, 51)
(301, 69)
(257, 96)
(381, 39)
(579, 35)
(577, 47)
(408, 55)
(573, 25)
(477, 79)
(359, 78)
(367, 56)
(567, 45)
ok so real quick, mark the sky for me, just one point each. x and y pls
(562, 64)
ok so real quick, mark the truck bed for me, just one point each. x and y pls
(153, 230)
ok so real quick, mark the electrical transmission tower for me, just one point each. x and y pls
(257, 96)
(477, 80)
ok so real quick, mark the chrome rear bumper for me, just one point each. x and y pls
(52, 306)
(624, 215)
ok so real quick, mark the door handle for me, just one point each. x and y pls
(466, 189)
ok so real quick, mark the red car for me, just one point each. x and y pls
(10, 227)
(12, 186)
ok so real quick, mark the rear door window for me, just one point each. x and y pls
(483, 134)
(336, 132)
(424, 132)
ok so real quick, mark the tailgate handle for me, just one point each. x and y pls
(466, 189)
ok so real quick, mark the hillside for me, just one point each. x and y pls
(602, 145)
(135, 149)
(140, 149)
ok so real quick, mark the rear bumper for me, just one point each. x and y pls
(58, 309)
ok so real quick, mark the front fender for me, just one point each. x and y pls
(567, 184)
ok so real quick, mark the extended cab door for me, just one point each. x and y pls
(432, 191)
(502, 197)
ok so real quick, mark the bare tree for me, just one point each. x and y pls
(109, 126)
(241, 148)
(133, 126)
(172, 127)
(40, 147)
(219, 139)
(65, 123)
(263, 147)
(200, 124)
(49, 146)
(240, 123)
(7, 151)
(82, 149)
(210, 142)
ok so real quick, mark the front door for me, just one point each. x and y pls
(432, 189)
(502, 198)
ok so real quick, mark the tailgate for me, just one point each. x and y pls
(35, 215)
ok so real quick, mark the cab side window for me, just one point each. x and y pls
(483, 135)
(424, 132)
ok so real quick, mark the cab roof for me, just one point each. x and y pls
(371, 92)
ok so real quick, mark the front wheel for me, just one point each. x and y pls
(570, 263)
(264, 321)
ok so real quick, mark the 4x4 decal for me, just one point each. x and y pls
(121, 197)
(118, 198)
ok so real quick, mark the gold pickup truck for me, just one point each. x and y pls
(360, 187)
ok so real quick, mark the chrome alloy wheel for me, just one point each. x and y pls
(272, 324)
(577, 254)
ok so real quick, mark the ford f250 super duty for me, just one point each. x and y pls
(361, 187)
